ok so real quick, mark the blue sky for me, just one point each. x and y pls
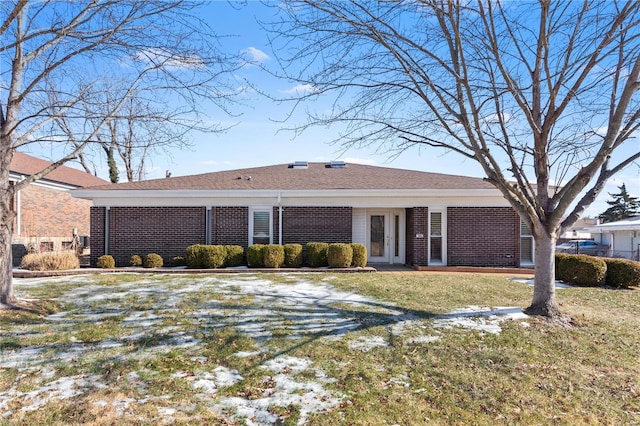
(257, 136)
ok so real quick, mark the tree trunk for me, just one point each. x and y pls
(544, 290)
(6, 261)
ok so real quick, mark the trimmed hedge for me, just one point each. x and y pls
(106, 261)
(622, 273)
(213, 257)
(580, 269)
(135, 260)
(317, 254)
(293, 255)
(255, 256)
(339, 255)
(234, 256)
(272, 255)
(153, 260)
(359, 259)
(194, 256)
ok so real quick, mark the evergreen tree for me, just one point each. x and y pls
(622, 205)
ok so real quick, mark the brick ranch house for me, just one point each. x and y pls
(402, 216)
(46, 213)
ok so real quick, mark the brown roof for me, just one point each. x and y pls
(27, 165)
(317, 176)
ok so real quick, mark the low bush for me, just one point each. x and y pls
(212, 257)
(106, 261)
(153, 260)
(135, 260)
(359, 259)
(580, 269)
(179, 261)
(255, 257)
(234, 256)
(273, 255)
(50, 261)
(194, 256)
(293, 255)
(622, 273)
(317, 254)
(339, 255)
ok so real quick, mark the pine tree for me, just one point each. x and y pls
(622, 205)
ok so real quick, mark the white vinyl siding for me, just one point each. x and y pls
(359, 226)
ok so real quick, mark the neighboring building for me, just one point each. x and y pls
(579, 230)
(402, 216)
(622, 237)
(46, 213)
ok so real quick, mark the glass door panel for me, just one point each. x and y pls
(377, 236)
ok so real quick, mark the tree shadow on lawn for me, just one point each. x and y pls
(149, 338)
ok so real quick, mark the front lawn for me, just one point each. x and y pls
(315, 349)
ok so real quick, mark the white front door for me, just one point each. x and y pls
(385, 236)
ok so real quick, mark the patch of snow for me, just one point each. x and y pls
(531, 282)
(365, 344)
(422, 339)
(483, 319)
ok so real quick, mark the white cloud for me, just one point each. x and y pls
(300, 89)
(255, 56)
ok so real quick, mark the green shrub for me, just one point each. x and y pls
(179, 261)
(563, 267)
(50, 261)
(273, 255)
(153, 260)
(255, 257)
(317, 254)
(580, 269)
(234, 256)
(293, 255)
(106, 261)
(359, 259)
(135, 260)
(339, 255)
(212, 257)
(195, 256)
(622, 273)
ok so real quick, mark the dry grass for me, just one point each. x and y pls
(137, 346)
(50, 261)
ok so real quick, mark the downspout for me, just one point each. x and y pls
(18, 214)
(106, 229)
(207, 225)
(279, 219)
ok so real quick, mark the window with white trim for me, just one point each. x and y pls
(435, 238)
(260, 227)
(526, 244)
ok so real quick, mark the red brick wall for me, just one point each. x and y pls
(97, 233)
(416, 248)
(230, 226)
(167, 231)
(482, 236)
(48, 212)
(321, 224)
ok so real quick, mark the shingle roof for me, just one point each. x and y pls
(317, 176)
(27, 165)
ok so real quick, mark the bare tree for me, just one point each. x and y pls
(543, 95)
(57, 60)
(143, 125)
